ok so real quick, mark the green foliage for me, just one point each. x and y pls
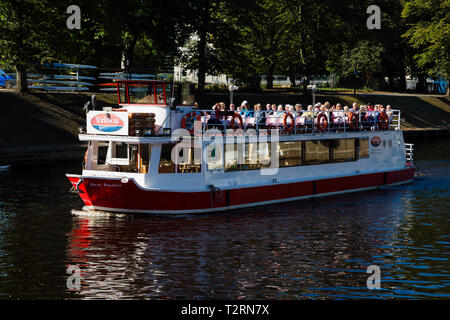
(429, 33)
(365, 58)
(243, 39)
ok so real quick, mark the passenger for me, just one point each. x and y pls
(363, 118)
(338, 116)
(346, 112)
(298, 110)
(250, 113)
(268, 108)
(214, 119)
(280, 112)
(222, 106)
(260, 116)
(274, 109)
(309, 113)
(389, 113)
(244, 108)
(232, 107)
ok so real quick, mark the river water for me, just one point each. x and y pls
(312, 249)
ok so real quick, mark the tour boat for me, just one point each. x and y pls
(159, 155)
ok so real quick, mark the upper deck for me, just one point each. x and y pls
(158, 108)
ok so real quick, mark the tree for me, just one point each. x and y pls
(429, 33)
(29, 32)
(364, 59)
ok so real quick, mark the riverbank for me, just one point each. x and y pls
(43, 127)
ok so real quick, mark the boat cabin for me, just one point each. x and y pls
(154, 92)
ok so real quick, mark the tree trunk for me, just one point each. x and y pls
(201, 49)
(128, 53)
(21, 79)
(292, 76)
(422, 83)
(270, 72)
(402, 81)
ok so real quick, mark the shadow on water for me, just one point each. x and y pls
(313, 249)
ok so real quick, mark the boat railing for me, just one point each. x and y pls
(292, 122)
(409, 147)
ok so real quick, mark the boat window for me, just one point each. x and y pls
(214, 157)
(251, 159)
(363, 148)
(120, 151)
(290, 153)
(123, 157)
(190, 166)
(165, 162)
(122, 93)
(242, 156)
(231, 157)
(141, 93)
(343, 150)
(317, 152)
(145, 153)
(160, 94)
(168, 87)
(264, 154)
(101, 154)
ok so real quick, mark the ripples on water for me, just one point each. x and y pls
(316, 249)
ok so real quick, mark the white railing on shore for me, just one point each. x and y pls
(295, 122)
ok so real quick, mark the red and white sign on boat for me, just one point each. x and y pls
(152, 157)
(101, 122)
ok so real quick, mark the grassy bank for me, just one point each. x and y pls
(33, 119)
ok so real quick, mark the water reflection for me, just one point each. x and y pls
(316, 249)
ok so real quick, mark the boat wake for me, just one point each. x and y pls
(97, 213)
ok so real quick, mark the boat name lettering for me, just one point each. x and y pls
(112, 185)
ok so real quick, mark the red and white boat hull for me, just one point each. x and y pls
(116, 195)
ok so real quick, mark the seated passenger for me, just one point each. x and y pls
(298, 110)
(279, 112)
(338, 115)
(214, 119)
(363, 116)
(309, 114)
(389, 113)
